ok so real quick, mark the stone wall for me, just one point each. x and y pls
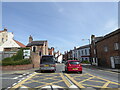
(35, 59)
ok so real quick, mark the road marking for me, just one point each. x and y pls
(92, 85)
(20, 76)
(106, 84)
(87, 79)
(15, 78)
(97, 81)
(78, 84)
(19, 84)
(66, 81)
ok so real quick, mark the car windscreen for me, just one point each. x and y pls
(74, 62)
(47, 60)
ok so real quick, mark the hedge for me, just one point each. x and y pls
(19, 62)
(16, 59)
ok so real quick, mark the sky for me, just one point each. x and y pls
(63, 24)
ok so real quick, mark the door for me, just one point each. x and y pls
(112, 62)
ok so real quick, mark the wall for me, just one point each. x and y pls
(16, 67)
(35, 59)
(104, 57)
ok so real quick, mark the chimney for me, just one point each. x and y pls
(30, 39)
(5, 29)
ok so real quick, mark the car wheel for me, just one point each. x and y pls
(66, 71)
(53, 71)
(80, 72)
(41, 71)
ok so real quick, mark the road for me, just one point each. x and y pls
(90, 78)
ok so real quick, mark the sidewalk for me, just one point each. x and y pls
(102, 68)
(20, 71)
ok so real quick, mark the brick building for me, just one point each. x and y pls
(51, 51)
(38, 48)
(107, 50)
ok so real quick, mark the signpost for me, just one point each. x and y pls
(26, 54)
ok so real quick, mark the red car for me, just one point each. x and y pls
(73, 65)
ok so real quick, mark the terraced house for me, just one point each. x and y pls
(107, 50)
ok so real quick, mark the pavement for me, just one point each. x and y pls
(20, 71)
(101, 68)
(84, 65)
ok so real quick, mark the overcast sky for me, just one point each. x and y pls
(64, 25)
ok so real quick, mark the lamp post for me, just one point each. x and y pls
(89, 50)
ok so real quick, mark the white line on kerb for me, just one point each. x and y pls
(14, 84)
(24, 74)
(15, 78)
(20, 76)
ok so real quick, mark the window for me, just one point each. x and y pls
(106, 49)
(34, 49)
(116, 46)
(85, 52)
(2, 39)
(82, 52)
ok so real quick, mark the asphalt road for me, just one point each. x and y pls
(90, 78)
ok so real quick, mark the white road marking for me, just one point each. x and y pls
(46, 87)
(14, 84)
(20, 76)
(15, 78)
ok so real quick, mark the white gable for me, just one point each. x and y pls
(9, 44)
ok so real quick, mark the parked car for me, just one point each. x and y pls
(73, 66)
(47, 62)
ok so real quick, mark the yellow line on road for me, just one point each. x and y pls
(96, 81)
(105, 80)
(91, 85)
(19, 84)
(75, 82)
(66, 81)
(105, 85)
(87, 79)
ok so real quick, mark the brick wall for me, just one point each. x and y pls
(35, 59)
(16, 67)
(104, 57)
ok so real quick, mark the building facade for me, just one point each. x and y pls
(83, 53)
(5, 36)
(51, 51)
(107, 50)
(38, 48)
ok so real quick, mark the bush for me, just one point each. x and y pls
(7, 59)
(18, 56)
(20, 62)
(87, 62)
(16, 59)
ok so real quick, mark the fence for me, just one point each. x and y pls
(6, 54)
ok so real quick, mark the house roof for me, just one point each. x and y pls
(85, 46)
(3, 30)
(20, 44)
(110, 35)
(37, 43)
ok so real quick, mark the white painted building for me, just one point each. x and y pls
(7, 41)
(58, 57)
(5, 36)
(82, 53)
